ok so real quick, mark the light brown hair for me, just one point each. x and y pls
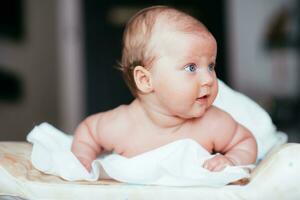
(137, 36)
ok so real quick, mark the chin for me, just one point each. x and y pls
(195, 114)
(190, 115)
(200, 113)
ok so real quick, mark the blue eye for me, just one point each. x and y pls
(211, 67)
(190, 67)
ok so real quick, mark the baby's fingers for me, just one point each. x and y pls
(86, 163)
(210, 164)
(219, 167)
(217, 163)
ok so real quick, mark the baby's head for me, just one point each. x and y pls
(140, 37)
(162, 36)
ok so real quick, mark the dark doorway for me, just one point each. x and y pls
(103, 38)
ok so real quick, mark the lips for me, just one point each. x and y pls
(202, 99)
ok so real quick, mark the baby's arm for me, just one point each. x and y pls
(85, 144)
(242, 149)
(235, 143)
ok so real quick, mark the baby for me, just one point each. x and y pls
(168, 62)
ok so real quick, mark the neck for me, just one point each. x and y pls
(157, 116)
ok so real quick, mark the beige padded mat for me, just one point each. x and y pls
(276, 178)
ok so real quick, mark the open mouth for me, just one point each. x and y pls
(202, 99)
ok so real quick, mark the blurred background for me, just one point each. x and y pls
(58, 57)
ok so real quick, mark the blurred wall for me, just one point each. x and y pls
(34, 60)
(47, 60)
(254, 69)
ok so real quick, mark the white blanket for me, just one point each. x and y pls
(176, 164)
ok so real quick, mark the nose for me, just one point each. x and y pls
(206, 77)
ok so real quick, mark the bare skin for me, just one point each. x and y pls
(175, 102)
(148, 136)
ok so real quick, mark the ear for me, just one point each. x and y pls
(142, 78)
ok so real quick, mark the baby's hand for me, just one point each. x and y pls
(86, 163)
(217, 163)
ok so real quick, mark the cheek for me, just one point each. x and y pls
(215, 90)
(177, 88)
(178, 94)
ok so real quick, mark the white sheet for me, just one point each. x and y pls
(175, 164)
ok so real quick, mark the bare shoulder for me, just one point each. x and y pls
(219, 119)
(218, 128)
(111, 126)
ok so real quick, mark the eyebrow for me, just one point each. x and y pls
(191, 59)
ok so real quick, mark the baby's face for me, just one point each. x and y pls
(183, 73)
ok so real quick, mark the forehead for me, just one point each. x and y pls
(186, 45)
